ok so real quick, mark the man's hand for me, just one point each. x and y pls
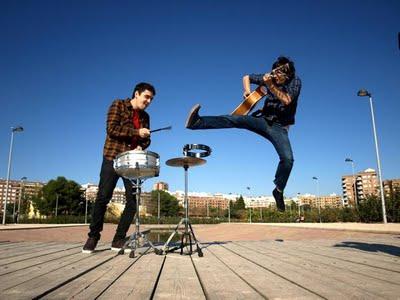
(144, 132)
(268, 78)
(246, 94)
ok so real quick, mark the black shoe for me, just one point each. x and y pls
(280, 204)
(90, 245)
(193, 116)
(118, 244)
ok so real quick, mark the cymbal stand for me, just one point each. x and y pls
(188, 234)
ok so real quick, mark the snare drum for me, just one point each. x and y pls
(137, 164)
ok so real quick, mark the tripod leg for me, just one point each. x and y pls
(166, 245)
(182, 242)
(156, 250)
(199, 251)
(190, 244)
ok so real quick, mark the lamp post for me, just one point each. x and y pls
(20, 197)
(319, 202)
(158, 206)
(298, 204)
(354, 181)
(229, 209)
(250, 209)
(86, 208)
(13, 129)
(365, 93)
(248, 188)
(56, 204)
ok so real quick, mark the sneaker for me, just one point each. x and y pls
(193, 116)
(118, 244)
(90, 245)
(280, 204)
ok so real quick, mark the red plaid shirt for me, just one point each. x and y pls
(120, 129)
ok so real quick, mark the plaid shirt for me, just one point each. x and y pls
(274, 109)
(120, 129)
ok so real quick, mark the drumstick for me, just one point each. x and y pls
(159, 129)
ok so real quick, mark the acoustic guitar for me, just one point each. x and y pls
(250, 101)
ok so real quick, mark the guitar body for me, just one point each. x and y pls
(247, 105)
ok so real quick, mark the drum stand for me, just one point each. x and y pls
(188, 238)
(133, 243)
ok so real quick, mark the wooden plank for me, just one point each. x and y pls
(266, 282)
(24, 249)
(43, 283)
(337, 263)
(389, 263)
(37, 253)
(36, 271)
(138, 281)
(92, 284)
(219, 281)
(351, 250)
(35, 260)
(178, 279)
(15, 248)
(323, 280)
(369, 279)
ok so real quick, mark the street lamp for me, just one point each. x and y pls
(56, 204)
(248, 188)
(354, 181)
(13, 129)
(250, 205)
(158, 206)
(319, 202)
(298, 203)
(365, 93)
(20, 197)
(86, 208)
(229, 209)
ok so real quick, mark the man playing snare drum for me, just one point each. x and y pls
(127, 129)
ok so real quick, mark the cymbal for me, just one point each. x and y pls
(186, 161)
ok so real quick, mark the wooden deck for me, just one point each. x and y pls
(361, 269)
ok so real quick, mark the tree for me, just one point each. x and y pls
(239, 204)
(65, 194)
(169, 205)
(370, 209)
(238, 209)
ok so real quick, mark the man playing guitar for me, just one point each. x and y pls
(271, 122)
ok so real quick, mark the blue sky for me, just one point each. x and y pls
(63, 62)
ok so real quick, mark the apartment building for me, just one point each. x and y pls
(160, 186)
(332, 200)
(18, 190)
(366, 183)
(391, 187)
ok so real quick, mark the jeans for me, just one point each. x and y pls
(108, 181)
(274, 132)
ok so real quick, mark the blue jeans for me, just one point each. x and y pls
(274, 132)
(108, 181)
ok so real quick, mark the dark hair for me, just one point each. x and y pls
(143, 86)
(282, 60)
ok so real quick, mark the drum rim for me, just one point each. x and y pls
(139, 151)
(156, 171)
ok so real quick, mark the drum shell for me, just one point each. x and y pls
(137, 164)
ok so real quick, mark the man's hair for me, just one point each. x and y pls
(282, 60)
(143, 86)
